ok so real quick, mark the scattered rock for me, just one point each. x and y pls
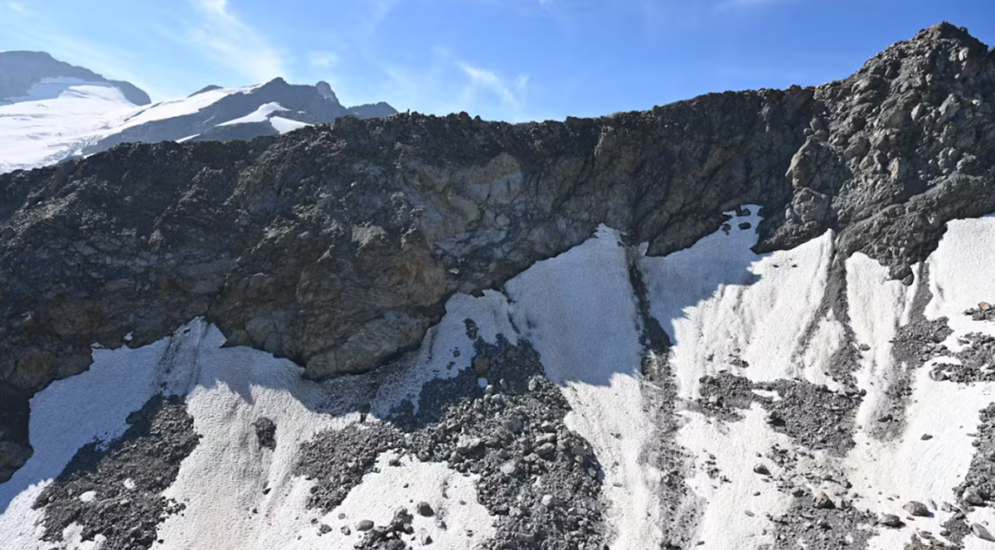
(823, 502)
(973, 496)
(364, 525)
(916, 509)
(981, 532)
(890, 520)
(424, 509)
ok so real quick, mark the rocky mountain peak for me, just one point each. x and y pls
(325, 89)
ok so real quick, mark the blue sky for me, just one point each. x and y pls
(502, 59)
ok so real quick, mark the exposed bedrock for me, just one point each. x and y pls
(338, 246)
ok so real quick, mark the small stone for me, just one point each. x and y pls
(926, 437)
(324, 528)
(984, 306)
(424, 538)
(546, 450)
(890, 520)
(916, 509)
(467, 445)
(823, 502)
(798, 492)
(981, 532)
(514, 424)
(761, 469)
(973, 496)
(424, 509)
(345, 530)
(364, 525)
(481, 365)
(550, 501)
(509, 468)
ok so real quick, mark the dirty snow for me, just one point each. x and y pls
(446, 349)
(724, 523)
(408, 484)
(579, 312)
(284, 125)
(888, 474)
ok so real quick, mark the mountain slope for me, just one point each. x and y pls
(51, 111)
(20, 70)
(749, 320)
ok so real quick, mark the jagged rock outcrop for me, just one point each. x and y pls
(338, 246)
(19, 70)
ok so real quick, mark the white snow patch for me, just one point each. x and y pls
(55, 119)
(719, 301)
(961, 276)
(284, 125)
(174, 108)
(261, 114)
(581, 317)
(769, 394)
(61, 117)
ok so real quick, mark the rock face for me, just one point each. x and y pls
(338, 246)
(19, 70)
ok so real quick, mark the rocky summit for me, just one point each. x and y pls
(748, 320)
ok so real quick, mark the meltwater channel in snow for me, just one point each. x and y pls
(725, 309)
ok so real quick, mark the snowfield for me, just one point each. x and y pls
(60, 117)
(727, 311)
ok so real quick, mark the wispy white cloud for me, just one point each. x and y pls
(228, 39)
(322, 59)
(511, 95)
(448, 84)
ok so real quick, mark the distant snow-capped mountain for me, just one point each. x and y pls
(51, 111)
